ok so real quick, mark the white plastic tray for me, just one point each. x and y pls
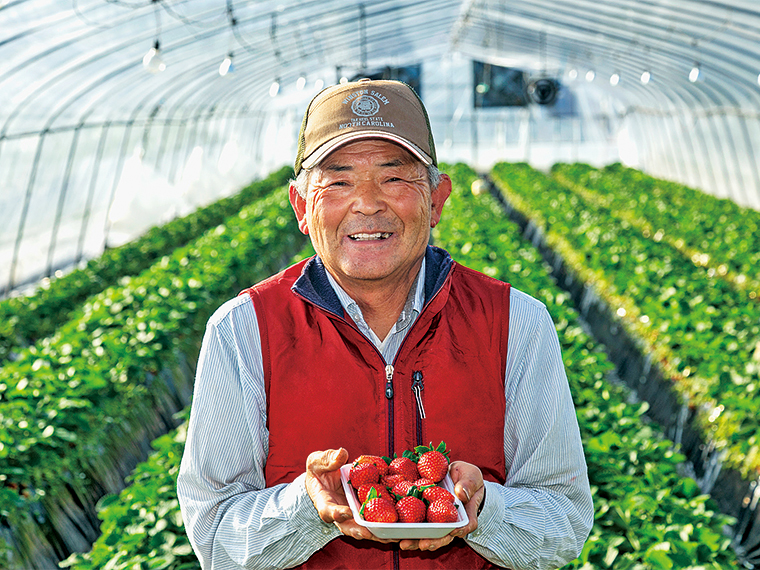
(402, 530)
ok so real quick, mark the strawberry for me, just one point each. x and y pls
(433, 463)
(410, 510)
(402, 488)
(442, 511)
(379, 510)
(362, 473)
(432, 494)
(424, 483)
(363, 492)
(380, 463)
(391, 480)
(405, 467)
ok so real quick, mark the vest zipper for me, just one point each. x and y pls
(389, 381)
(389, 397)
(418, 385)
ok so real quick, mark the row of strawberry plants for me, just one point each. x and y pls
(703, 335)
(26, 319)
(142, 526)
(646, 514)
(716, 233)
(64, 400)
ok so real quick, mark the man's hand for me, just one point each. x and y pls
(326, 492)
(324, 486)
(468, 488)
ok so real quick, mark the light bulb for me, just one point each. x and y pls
(301, 83)
(318, 84)
(572, 74)
(646, 77)
(152, 61)
(226, 66)
(590, 75)
(614, 79)
(694, 74)
(274, 89)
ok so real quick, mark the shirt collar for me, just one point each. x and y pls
(412, 307)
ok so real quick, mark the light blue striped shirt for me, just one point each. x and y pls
(539, 519)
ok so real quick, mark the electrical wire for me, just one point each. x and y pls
(80, 15)
(211, 23)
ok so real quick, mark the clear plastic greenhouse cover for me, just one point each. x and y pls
(118, 115)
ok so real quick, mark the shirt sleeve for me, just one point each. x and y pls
(540, 518)
(232, 520)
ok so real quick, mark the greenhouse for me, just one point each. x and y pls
(603, 159)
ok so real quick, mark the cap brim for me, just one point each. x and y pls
(318, 155)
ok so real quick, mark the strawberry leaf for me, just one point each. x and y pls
(410, 455)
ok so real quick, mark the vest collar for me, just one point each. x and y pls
(314, 286)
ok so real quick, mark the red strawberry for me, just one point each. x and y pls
(442, 511)
(382, 466)
(380, 491)
(424, 483)
(391, 480)
(379, 510)
(410, 510)
(433, 463)
(362, 473)
(405, 467)
(432, 494)
(402, 488)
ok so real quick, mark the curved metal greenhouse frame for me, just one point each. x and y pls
(95, 149)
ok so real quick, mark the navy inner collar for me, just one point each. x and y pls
(314, 285)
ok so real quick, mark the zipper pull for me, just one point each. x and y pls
(389, 381)
(417, 386)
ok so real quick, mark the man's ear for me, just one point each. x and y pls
(438, 196)
(299, 207)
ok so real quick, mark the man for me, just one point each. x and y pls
(315, 366)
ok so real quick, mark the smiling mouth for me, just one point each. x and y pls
(370, 236)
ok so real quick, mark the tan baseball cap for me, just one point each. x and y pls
(364, 109)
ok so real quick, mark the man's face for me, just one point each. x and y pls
(368, 210)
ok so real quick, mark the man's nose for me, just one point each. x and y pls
(368, 198)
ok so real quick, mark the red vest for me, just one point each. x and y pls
(327, 387)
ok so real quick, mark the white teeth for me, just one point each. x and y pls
(377, 235)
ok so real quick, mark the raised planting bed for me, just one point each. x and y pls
(142, 526)
(695, 325)
(563, 229)
(713, 232)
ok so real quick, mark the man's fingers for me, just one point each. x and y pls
(427, 544)
(352, 529)
(468, 480)
(335, 514)
(320, 462)
(460, 490)
(323, 484)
